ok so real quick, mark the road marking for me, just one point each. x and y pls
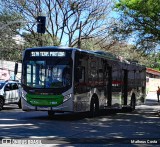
(15, 125)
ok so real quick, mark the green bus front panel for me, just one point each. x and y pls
(44, 100)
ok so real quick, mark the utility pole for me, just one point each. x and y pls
(79, 38)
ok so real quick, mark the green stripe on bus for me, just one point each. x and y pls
(44, 100)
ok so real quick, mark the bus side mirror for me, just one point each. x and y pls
(16, 68)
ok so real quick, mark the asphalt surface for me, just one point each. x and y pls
(111, 128)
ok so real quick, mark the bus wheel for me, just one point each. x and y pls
(51, 113)
(94, 106)
(1, 103)
(133, 102)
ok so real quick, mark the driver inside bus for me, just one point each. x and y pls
(48, 81)
(51, 82)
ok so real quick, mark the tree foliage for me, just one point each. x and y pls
(35, 39)
(8, 47)
(121, 50)
(140, 20)
(64, 17)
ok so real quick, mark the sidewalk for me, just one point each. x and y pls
(151, 99)
(151, 103)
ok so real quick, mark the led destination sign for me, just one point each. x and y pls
(47, 54)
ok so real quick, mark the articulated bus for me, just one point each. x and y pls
(58, 79)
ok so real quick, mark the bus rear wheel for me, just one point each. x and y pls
(94, 107)
(51, 113)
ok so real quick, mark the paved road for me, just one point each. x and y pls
(109, 128)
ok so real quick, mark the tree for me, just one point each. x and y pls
(154, 61)
(64, 17)
(35, 39)
(139, 19)
(121, 50)
(8, 47)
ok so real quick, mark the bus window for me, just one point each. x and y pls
(66, 76)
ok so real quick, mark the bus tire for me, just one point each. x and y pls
(51, 113)
(1, 103)
(94, 106)
(133, 102)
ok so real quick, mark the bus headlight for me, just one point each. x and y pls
(67, 97)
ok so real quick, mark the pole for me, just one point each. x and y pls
(79, 38)
(40, 11)
(40, 40)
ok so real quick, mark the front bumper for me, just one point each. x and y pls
(67, 106)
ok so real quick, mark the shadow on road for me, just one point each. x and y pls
(74, 116)
(139, 124)
(146, 109)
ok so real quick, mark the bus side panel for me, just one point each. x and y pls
(136, 84)
(81, 87)
(117, 84)
(113, 82)
(90, 83)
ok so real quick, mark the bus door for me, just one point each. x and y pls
(125, 86)
(109, 86)
(108, 83)
(80, 82)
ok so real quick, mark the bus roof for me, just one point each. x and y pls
(97, 53)
(100, 53)
(49, 47)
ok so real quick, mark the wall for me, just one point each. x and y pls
(152, 84)
(7, 70)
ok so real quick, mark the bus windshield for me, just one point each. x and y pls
(48, 72)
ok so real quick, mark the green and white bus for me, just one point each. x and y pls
(60, 79)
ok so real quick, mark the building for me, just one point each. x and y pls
(7, 70)
(152, 80)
